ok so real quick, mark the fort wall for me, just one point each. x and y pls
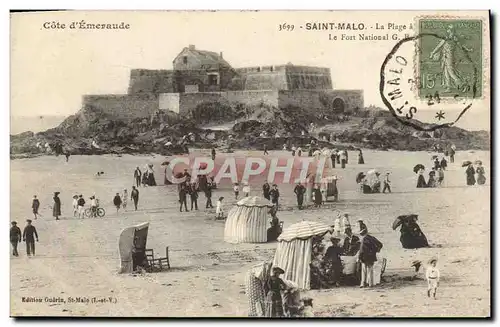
(123, 106)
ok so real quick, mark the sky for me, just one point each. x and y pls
(52, 68)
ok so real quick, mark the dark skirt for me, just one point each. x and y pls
(471, 180)
(481, 179)
(421, 181)
(361, 160)
(274, 304)
(56, 210)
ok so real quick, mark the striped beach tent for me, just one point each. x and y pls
(293, 253)
(248, 221)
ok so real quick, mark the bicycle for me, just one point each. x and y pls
(99, 212)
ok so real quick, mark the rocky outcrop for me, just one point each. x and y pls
(169, 134)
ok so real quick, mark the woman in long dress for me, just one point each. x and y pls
(56, 208)
(421, 179)
(471, 180)
(274, 301)
(318, 196)
(361, 160)
(481, 179)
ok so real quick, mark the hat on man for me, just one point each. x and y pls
(28, 220)
(278, 270)
(14, 223)
(360, 220)
(433, 260)
(335, 239)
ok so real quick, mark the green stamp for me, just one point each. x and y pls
(450, 58)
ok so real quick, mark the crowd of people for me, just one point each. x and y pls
(327, 267)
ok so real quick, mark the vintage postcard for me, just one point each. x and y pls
(250, 164)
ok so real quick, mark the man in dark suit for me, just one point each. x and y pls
(15, 238)
(29, 235)
(137, 176)
(351, 243)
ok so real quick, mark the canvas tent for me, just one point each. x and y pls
(293, 253)
(126, 245)
(247, 222)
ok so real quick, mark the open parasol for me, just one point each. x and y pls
(418, 167)
(372, 172)
(399, 221)
(466, 163)
(304, 230)
(165, 163)
(359, 177)
(478, 162)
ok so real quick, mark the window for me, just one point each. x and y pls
(185, 60)
(212, 79)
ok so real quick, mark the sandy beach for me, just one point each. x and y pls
(79, 257)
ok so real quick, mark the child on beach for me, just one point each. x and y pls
(75, 205)
(124, 199)
(219, 211)
(236, 190)
(432, 276)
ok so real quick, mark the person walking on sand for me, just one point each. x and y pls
(265, 149)
(481, 179)
(275, 195)
(236, 190)
(213, 154)
(367, 255)
(137, 176)
(299, 151)
(452, 154)
(219, 211)
(333, 157)
(443, 164)
(343, 158)
(117, 201)
(134, 196)
(35, 205)
(346, 224)
(15, 237)
(246, 190)
(387, 183)
(29, 235)
(208, 195)
(80, 204)
(440, 176)
(193, 195)
(183, 192)
(432, 275)
(124, 199)
(56, 208)
(299, 191)
(75, 205)
(361, 160)
(266, 188)
(471, 180)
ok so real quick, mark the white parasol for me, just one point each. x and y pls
(304, 230)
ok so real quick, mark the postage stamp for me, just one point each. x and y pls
(432, 79)
(450, 57)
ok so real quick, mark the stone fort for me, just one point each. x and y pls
(200, 76)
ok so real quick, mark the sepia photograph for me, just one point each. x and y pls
(263, 164)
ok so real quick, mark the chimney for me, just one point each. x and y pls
(192, 47)
(221, 55)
